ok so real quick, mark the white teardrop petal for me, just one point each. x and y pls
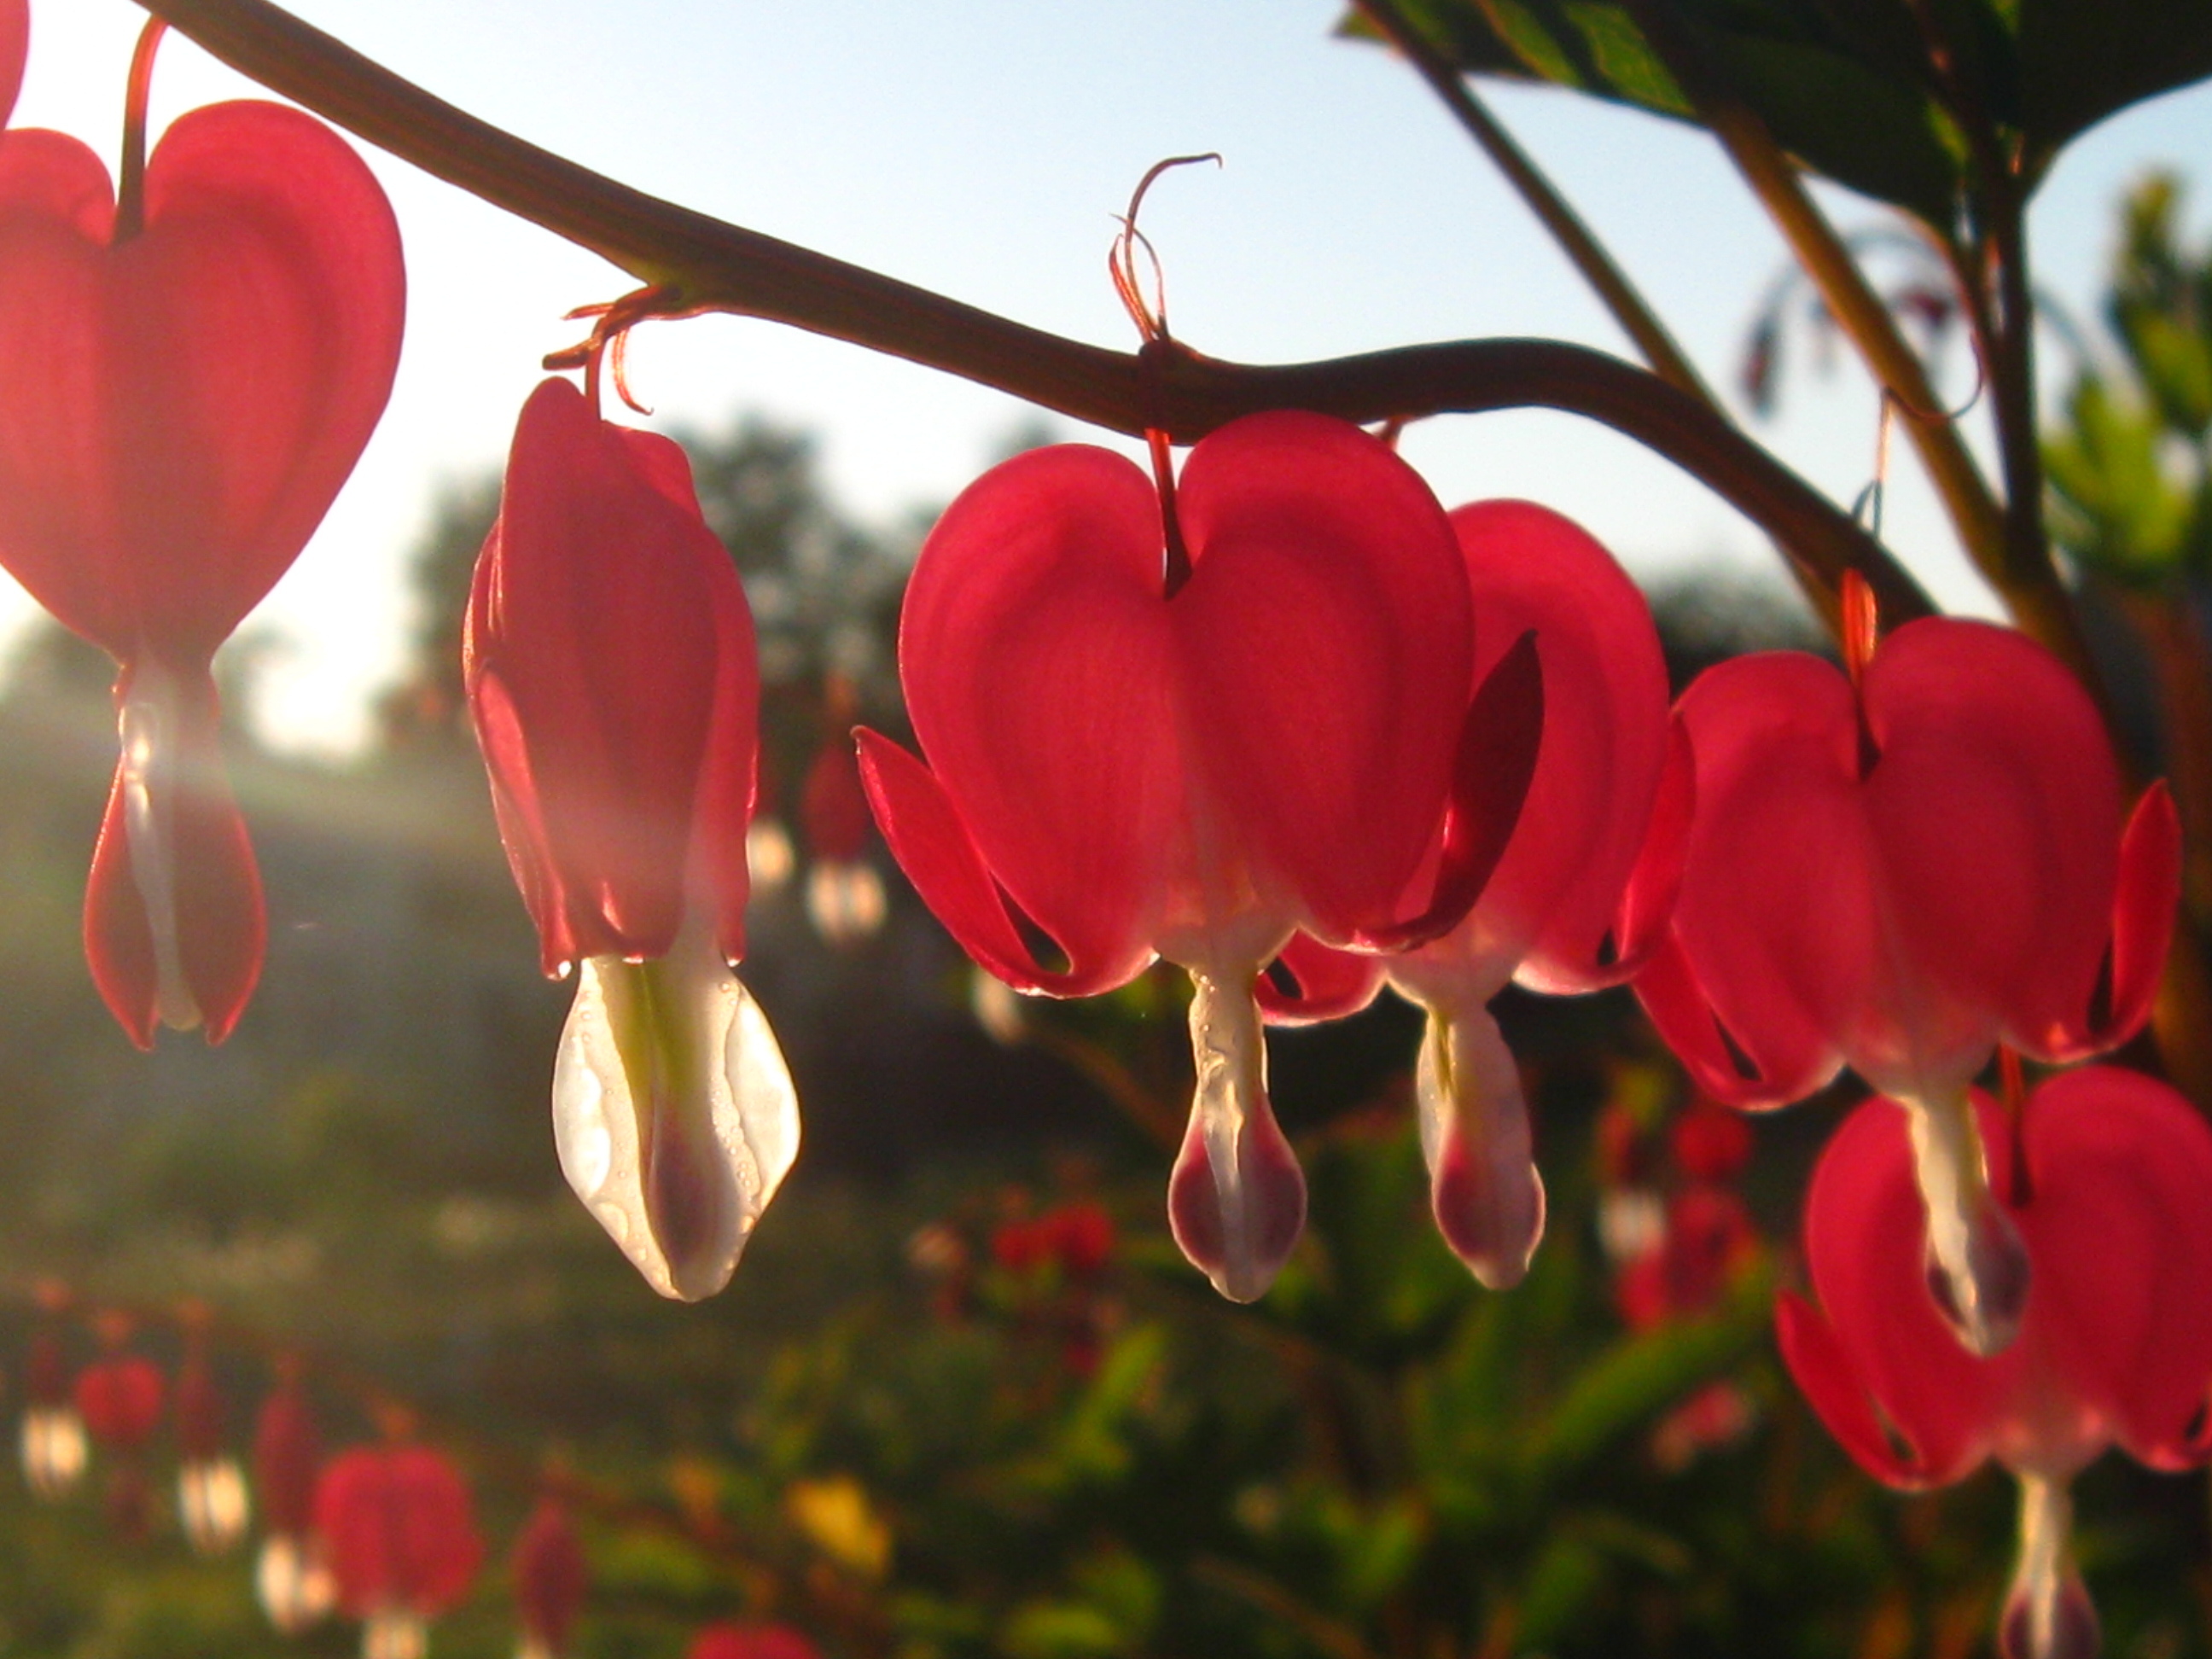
(673, 1113)
(1236, 1201)
(1483, 1185)
(2047, 1612)
(1978, 1267)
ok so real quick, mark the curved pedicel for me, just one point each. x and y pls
(2146, 899)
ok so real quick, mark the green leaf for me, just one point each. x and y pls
(2082, 60)
(1563, 1586)
(1849, 87)
(1639, 1377)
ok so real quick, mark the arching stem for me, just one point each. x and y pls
(131, 175)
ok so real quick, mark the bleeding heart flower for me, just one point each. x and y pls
(550, 1580)
(192, 391)
(2104, 1173)
(211, 1496)
(400, 1533)
(731, 1640)
(1581, 894)
(14, 47)
(120, 1398)
(845, 897)
(1900, 870)
(291, 1578)
(1188, 728)
(53, 1446)
(609, 662)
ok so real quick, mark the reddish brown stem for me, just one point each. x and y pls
(706, 264)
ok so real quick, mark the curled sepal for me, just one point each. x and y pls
(1483, 1185)
(2147, 894)
(1308, 982)
(173, 923)
(931, 839)
(1977, 1265)
(1236, 1201)
(672, 1112)
(1491, 767)
(2047, 1612)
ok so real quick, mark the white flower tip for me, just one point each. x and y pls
(211, 1497)
(1236, 1215)
(1236, 1201)
(1983, 1294)
(54, 1449)
(1490, 1212)
(1484, 1188)
(295, 1587)
(673, 1113)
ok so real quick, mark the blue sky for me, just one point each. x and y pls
(982, 149)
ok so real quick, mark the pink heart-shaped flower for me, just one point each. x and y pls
(189, 400)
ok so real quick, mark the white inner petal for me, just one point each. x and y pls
(672, 1112)
(147, 726)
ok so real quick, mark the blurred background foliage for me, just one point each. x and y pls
(964, 1398)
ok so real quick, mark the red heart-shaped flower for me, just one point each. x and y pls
(188, 400)
(202, 388)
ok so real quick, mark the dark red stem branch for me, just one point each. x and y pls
(706, 264)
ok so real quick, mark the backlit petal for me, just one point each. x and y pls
(1995, 807)
(1330, 984)
(672, 1112)
(1237, 1200)
(609, 654)
(2119, 1166)
(2148, 895)
(1556, 892)
(1324, 639)
(173, 923)
(204, 388)
(1830, 1383)
(1866, 1245)
(1041, 685)
(926, 835)
(1775, 920)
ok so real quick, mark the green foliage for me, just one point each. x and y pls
(1851, 86)
(2130, 466)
